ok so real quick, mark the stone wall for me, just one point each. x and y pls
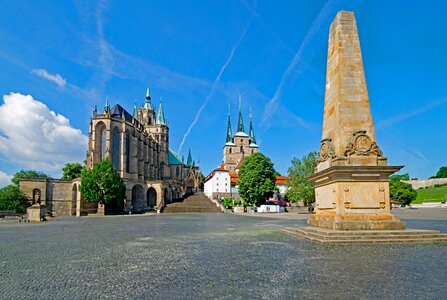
(61, 201)
(423, 183)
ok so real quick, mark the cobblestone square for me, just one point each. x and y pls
(191, 256)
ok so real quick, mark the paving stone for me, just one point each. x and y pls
(196, 256)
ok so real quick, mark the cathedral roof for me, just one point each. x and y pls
(117, 112)
(174, 158)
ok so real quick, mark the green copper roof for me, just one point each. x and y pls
(174, 158)
(161, 115)
(240, 121)
(147, 104)
(229, 131)
(189, 161)
(252, 132)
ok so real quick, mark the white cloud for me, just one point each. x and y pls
(56, 78)
(5, 179)
(33, 136)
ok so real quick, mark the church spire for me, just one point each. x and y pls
(252, 132)
(229, 131)
(189, 161)
(240, 121)
(147, 104)
(107, 107)
(161, 115)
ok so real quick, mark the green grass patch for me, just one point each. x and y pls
(431, 194)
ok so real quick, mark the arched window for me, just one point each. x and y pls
(116, 147)
(100, 142)
(229, 151)
(103, 143)
(177, 172)
(242, 149)
(127, 152)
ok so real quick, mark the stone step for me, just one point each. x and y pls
(188, 209)
(328, 232)
(195, 203)
(327, 236)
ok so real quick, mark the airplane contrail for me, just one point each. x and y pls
(272, 106)
(216, 82)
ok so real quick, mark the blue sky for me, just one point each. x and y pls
(58, 59)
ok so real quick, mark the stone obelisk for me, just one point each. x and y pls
(351, 180)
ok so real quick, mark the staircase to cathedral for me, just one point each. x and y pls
(198, 203)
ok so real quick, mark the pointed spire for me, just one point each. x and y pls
(107, 107)
(147, 104)
(161, 115)
(252, 132)
(135, 110)
(240, 121)
(229, 131)
(189, 161)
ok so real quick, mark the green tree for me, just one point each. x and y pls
(401, 191)
(442, 173)
(27, 173)
(256, 179)
(71, 171)
(102, 184)
(12, 199)
(400, 177)
(299, 187)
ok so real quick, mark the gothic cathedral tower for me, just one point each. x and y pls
(240, 145)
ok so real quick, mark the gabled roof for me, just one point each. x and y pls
(117, 112)
(211, 175)
(174, 158)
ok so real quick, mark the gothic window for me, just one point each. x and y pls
(103, 143)
(116, 146)
(127, 152)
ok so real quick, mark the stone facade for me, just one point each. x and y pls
(138, 147)
(351, 182)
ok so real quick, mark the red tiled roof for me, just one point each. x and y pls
(281, 180)
(210, 175)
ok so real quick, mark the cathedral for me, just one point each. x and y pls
(137, 145)
(239, 145)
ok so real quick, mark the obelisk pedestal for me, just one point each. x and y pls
(351, 182)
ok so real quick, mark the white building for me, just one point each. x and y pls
(217, 184)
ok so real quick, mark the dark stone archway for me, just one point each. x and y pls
(151, 197)
(137, 198)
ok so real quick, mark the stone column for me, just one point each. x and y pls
(351, 182)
